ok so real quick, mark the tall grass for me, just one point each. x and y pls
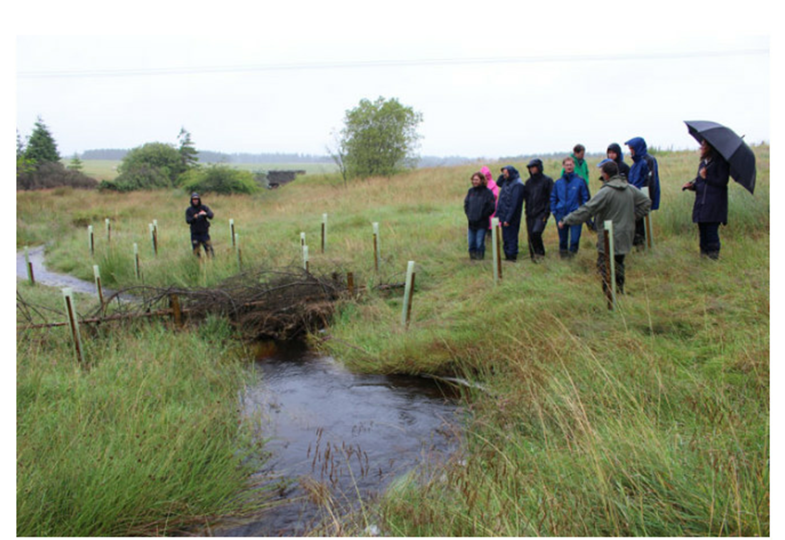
(649, 420)
(143, 441)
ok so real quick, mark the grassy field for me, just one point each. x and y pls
(106, 169)
(652, 420)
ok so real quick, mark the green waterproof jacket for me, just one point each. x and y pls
(615, 201)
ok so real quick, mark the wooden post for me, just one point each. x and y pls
(407, 295)
(376, 256)
(231, 233)
(497, 265)
(177, 313)
(305, 258)
(136, 261)
(70, 310)
(239, 252)
(91, 239)
(648, 243)
(610, 264)
(324, 231)
(302, 239)
(99, 289)
(153, 238)
(350, 282)
(29, 267)
(108, 231)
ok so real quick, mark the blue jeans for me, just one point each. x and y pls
(569, 238)
(477, 242)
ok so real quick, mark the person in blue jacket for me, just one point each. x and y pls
(478, 206)
(711, 199)
(568, 194)
(643, 173)
(509, 209)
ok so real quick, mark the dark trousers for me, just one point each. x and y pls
(510, 240)
(569, 239)
(640, 233)
(201, 240)
(619, 264)
(534, 228)
(709, 239)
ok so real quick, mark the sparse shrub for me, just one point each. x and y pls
(219, 179)
(140, 177)
(53, 174)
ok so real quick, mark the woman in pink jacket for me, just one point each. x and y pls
(493, 187)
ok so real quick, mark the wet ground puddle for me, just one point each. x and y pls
(340, 436)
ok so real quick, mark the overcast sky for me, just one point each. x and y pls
(521, 85)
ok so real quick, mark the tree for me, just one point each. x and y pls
(41, 146)
(76, 163)
(155, 160)
(188, 153)
(379, 138)
(24, 166)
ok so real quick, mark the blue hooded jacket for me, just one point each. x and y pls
(569, 193)
(644, 171)
(510, 204)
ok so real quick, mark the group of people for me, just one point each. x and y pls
(569, 200)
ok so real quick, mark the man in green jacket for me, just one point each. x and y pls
(581, 167)
(616, 201)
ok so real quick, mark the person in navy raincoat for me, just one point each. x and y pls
(614, 152)
(568, 194)
(643, 173)
(711, 199)
(509, 210)
(478, 206)
(197, 215)
(537, 198)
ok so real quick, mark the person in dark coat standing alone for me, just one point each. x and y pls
(478, 206)
(197, 216)
(509, 210)
(711, 199)
(537, 197)
(614, 152)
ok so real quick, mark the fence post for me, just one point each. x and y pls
(305, 258)
(29, 267)
(376, 256)
(99, 289)
(177, 313)
(153, 238)
(610, 264)
(647, 240)
(350, 282)
(136, 261)
(231, 232)
(239, 252)
(302, 239)
(407, 295)
(108, 231)
(70, 310)
(91, 239)
(324, 232)
(497, 267)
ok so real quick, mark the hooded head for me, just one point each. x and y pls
(614, 147)
(638, 146)
(536, 162)
(512, 171)
(195, 199)
(487, 173)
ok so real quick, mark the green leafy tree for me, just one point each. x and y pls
(76, 163)
(379, 138)
(219, 178)
(24, 165)
(41, 146)
(189, 155)
(154, 160)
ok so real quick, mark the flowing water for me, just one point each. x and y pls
(341, 437)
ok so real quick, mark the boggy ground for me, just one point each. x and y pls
(649, 420)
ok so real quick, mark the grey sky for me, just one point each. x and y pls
(483, 91)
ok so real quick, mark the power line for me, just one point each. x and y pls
(435, 62)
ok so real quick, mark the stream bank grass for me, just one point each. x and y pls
(146, 441)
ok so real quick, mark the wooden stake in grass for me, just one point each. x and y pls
(153, 238)
(302, 239)
(324, 231)
(610, 265)
(70, 309)
(29, 267)
(350, 282)
(239, 252)
(99, 289)
(376, 255)
(407, 295)
(137, 270)
(648, 243)
(231, 233)
(305, 259)
(497, 265)
(108, 231)
(91, 239)
(177, 312)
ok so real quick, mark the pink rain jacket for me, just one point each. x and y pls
(492, 186)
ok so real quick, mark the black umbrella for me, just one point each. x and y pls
(730, 146)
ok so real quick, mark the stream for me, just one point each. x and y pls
(334, 435)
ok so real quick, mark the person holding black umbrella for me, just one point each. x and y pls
(711, 199)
